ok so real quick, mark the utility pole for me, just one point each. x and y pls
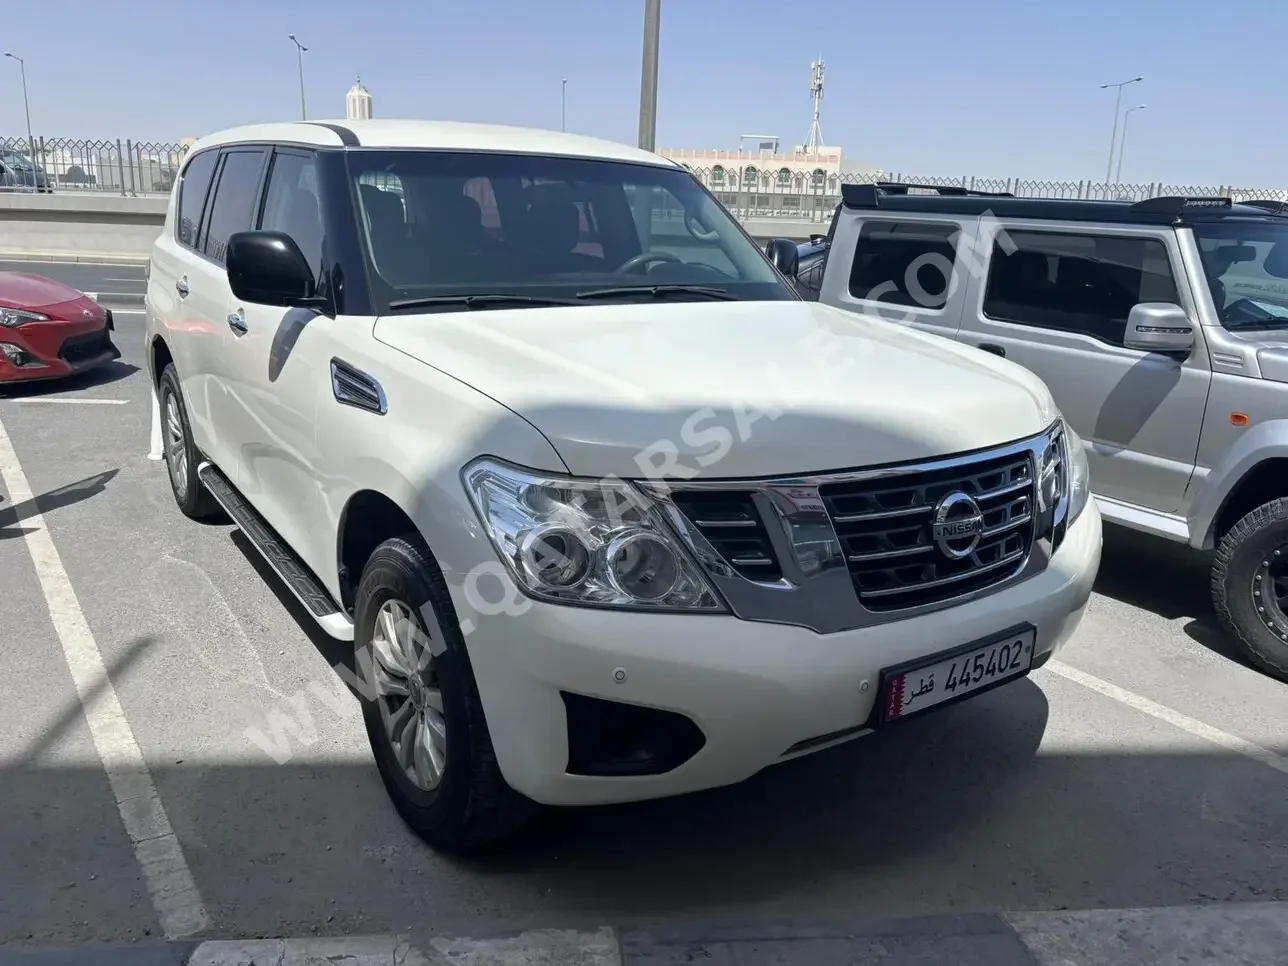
(299, 59)
(563, 106)
(1122, 142)
(648, 79)
(31, 143)
(1113, 138)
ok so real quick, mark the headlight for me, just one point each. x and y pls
(12, 317)
(1064, 471)
(588, 542)
(1079, 472)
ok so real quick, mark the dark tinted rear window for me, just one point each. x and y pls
(904, 263)
(233, 208)
(192, 195)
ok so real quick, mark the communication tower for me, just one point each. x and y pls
(815, 139)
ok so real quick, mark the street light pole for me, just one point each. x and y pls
(563, 106)
(1113, 138)
(299, 58)
(31, 142)
(1122, 144)
(648, 78)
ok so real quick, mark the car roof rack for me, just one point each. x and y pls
(1177, 205)
(1269, 205)
(869, 195)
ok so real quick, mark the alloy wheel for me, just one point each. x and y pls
(176, 449)
(411, 699)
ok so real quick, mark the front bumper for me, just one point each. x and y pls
(53, 350)
(754, 689)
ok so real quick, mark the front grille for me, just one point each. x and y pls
(884, 526)
(79, 348)
(732, 526)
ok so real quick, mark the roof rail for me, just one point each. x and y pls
(1178, 204)
(903, 187)
(1273, 207)
(869, 195)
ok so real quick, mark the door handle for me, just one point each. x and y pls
(181, 287)
(237, 322)
(997, 350)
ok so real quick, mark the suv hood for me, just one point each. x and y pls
(728, 389)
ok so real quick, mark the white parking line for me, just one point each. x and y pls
(70, 400)
(174, 892)
(1198, 729)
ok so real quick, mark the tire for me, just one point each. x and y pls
(471, 805)
(194, 500)
(1248, 559)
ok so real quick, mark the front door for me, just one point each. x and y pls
(279, 364)
(1056, 302)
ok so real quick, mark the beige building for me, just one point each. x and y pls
(783, 179)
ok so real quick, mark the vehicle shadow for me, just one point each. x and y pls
(89, 379)
(1167, 579)
(52, 500)
(954, 814)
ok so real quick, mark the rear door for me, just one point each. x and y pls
(900, 267)
(232, 208)
(1056, 300)
(179, 284)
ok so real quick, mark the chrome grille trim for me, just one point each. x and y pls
(895, 560)
(812, 584)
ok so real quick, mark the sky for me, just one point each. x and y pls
(990, 88)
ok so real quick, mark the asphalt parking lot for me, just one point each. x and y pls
(1147, 767)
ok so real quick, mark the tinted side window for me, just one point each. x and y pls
(291, 204)
(904, 263)
(233, 208)
(192, 195)
(1077, 283)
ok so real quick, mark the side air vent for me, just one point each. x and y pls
(353, 387)
(732, 526)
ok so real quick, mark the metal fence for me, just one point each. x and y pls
(131, 167)
(128, 167)
(787, 194)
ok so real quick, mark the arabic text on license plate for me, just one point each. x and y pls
(911, 691)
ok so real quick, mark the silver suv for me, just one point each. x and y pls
(1161, 328)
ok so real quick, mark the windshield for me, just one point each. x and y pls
(15, 161)
(1246, 264)
(438, 225)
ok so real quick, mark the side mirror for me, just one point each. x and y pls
(784, 254)
(1159, 327)
(268, 268)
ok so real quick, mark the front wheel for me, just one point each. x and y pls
(1250, 585)
(421, 705)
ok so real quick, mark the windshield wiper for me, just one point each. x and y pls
(484, 301)
(659, 292)
(1260, 325)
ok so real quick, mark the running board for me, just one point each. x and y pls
(292, 571)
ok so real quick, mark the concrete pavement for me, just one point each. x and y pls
(1051, 794)
(1194, 936)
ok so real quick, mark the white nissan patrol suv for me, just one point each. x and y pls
(607, 510)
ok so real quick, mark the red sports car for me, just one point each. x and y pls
(49, 330)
